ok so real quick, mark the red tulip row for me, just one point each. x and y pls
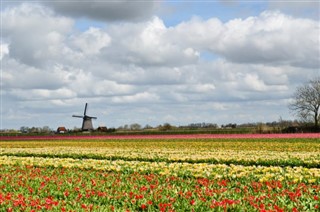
(28, 188)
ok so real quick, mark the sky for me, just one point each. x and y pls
(154, 62)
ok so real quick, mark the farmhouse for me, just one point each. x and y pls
(102, 129)
(61, 130)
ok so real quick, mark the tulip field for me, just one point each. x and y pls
(161, 173)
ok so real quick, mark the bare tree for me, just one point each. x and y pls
(306, 101)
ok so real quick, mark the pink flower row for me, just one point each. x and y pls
(193, 136)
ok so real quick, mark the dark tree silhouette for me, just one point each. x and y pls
(306, 101)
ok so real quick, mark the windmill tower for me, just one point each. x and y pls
(87, 120)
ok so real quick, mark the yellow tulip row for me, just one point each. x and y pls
(287, 145)
(215, 171)
(184, 154)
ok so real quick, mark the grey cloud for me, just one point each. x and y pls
(306, 8)
(124, 10)
(309, 9)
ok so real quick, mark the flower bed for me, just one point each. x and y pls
(29, 188)
(193, 174)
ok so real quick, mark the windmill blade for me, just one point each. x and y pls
(91, 117)
(85, 109)
(77, 116)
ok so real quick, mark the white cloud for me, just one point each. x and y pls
(21, 76)
(43, 94)
(271, 38)
(196, 88)
(34, 33)
(4, 50)
(87, 85)
(191, 53)
(253, 82)
(142, 98)
(197, 32)
(92, 41)
(148, 44)
(220, 106)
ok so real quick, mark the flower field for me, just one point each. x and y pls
(169, 174)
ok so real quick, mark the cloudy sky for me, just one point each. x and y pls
(151, 62)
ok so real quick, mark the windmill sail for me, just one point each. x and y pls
(85, 109)
(77, 116)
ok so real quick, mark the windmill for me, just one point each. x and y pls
(87, 120)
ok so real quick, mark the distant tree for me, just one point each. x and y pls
(46, 129)
(230, 125)
(34, 130)
(166, 126)
(260, 127)
(24, 129)
(147, 127)
(306, 101)
(135, 126)
(76, 129)
(125, 127)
